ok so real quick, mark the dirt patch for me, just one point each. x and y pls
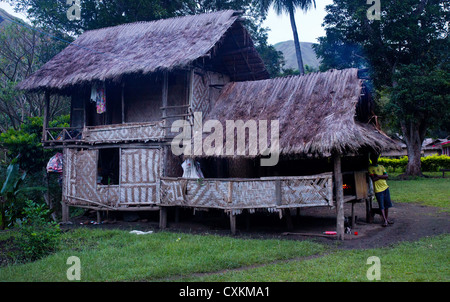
(412, 222)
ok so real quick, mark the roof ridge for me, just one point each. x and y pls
(235, 14)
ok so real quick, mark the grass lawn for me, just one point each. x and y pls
(424, 260)
(114, 255)
(427, 191)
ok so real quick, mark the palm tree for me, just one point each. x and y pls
(289, 7)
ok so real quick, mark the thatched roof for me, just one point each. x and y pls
(146, 47)
(316, 112)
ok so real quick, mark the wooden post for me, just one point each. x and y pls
(122, 100)
(339, 197)
(65, 212)
(177, 214)
(163, 218)
(353, 214)
(278, 192)
(46, 113)
(233, 223)
(289, 223)
(165, 94)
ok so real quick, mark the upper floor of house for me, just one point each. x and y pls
(130, 82)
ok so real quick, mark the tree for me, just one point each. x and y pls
(22, 52)
(407, 49)
(289, 7)
(52, 14)
(421, 97)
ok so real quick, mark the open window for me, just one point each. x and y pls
(108, 166)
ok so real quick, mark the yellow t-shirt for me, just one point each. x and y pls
(381, 184)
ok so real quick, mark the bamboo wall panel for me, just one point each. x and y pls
(200, 94)
(123, 133)
(269, 193)
(193, 193)
(139, 176)
(316, 192)
(253, 194)
(139, 180)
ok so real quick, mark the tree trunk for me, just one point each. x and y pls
(298, 50)
(2, 216)
(414, 134)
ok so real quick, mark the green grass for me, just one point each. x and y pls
(422, 261)
(113, 255)
(427, 191)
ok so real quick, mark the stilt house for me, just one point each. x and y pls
(129, 83)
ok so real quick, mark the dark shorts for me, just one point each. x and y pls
(384, 199)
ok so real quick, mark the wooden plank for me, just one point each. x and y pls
(230, 192)
(361, 185)
(338, 182)
(278, 192)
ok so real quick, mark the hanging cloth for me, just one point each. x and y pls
(98, 95)
(55, 164)
(191, 169)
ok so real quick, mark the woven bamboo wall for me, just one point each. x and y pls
(231, 194)
(139, 181)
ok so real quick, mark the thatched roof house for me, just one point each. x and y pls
(129, 83)
(319, 113)
(218, 39)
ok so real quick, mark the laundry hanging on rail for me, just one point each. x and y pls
(55, 164)
(98, 95)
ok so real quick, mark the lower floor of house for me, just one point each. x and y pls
(148, 177)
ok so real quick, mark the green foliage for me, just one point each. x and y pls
(37, 236)
(429, 164)
(11, 188)
(407, 53)
(26, 141)
(52, 15)
(421, 94)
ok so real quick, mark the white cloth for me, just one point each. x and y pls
(140, 232)
(191, 169)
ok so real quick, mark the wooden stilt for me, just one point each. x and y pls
(65, 212)
(340, 230)
(289, 223)
(233, 223)
(353, 214)
(177, 215)
(163, 218)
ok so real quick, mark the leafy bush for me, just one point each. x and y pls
(429, 164)
(38, 236)
(26, 141)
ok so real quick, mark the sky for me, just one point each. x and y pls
(309, 25)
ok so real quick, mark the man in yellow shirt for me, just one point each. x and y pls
(379, 176)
